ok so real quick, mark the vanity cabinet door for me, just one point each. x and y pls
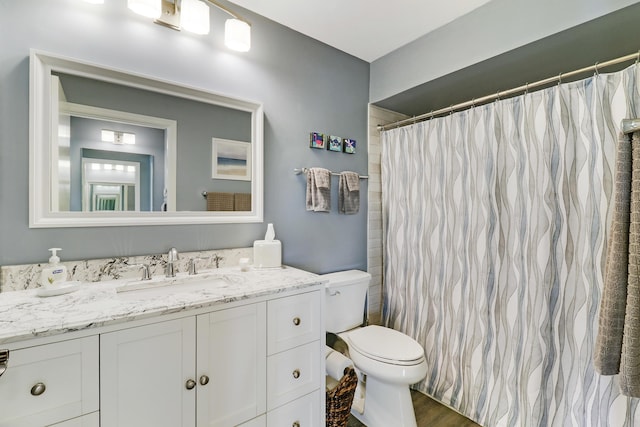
(232, 364)
(146, 375)
(50, 383)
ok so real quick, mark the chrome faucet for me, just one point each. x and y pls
(172, 257)
(146, 272)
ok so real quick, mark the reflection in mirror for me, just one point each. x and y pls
(124, 149)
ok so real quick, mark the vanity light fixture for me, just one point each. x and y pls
(193, 16)
(237, 35)
(117, 137)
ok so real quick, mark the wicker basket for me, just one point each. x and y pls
(340, 398)
(217, 201)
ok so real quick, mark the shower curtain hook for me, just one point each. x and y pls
(559, 79)
(638, 57)
(596, 67)
(431, 115)
(526, 88)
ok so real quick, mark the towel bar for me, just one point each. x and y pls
(298, 171)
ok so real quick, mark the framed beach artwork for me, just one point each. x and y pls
(231, 159)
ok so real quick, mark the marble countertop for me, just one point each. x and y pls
(25, 315)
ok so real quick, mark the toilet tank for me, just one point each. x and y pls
(346, 295)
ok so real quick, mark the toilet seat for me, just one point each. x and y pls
(386, 345)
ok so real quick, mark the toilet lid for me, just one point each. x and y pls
(386, 345)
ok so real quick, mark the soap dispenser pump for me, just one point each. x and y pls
(54, 273)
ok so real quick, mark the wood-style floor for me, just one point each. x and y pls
(429, 413)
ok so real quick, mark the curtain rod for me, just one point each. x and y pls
(596, 67)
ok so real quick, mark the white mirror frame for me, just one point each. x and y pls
(41, 132)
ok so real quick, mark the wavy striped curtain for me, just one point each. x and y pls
(495, 223)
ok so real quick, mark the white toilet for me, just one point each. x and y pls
(390, 360)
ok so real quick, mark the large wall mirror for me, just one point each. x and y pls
(113, 148)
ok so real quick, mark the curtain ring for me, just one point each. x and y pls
(430, 114)
(526, 88)
(559, 79)
(596, 67)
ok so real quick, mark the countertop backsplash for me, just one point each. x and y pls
(27, 276)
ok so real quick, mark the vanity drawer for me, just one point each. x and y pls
(50, 383)
(292, 374)
(302, 412)
(293, 321)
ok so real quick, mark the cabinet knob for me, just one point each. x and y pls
(38, 389)
(190, 384)
(204, 380)
(296, 373)
(295, 424)
(296, 321)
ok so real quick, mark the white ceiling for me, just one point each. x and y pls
(367, 29)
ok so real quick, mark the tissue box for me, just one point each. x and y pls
(267, 254)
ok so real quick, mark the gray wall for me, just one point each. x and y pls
(304, 85)
(493, 29)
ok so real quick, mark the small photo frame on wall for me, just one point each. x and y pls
(230, 159)
(317, 140)
(349, 145)
(335, 143)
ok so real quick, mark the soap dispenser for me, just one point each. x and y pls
(53, 273)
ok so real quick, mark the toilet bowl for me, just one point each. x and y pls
(387, 361)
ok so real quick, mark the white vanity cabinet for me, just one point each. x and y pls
(253, 362)
(167, 374)
(294, 363)
(231, 360)
(51, 384)
(144, 373)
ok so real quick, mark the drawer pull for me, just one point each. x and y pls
(38, 389)
(296, 321)
(204, 380)
(4, 358)
(190, 384)
(295, 424)
(296, 374)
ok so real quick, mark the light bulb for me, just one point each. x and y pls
(237, 35)
(194, 16)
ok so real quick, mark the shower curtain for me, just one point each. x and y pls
(495, 223)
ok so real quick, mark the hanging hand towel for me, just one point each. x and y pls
(618, 341)
(318, 190)
(608, 347)
(349, 193)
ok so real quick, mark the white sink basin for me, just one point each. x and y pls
(164, 285)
